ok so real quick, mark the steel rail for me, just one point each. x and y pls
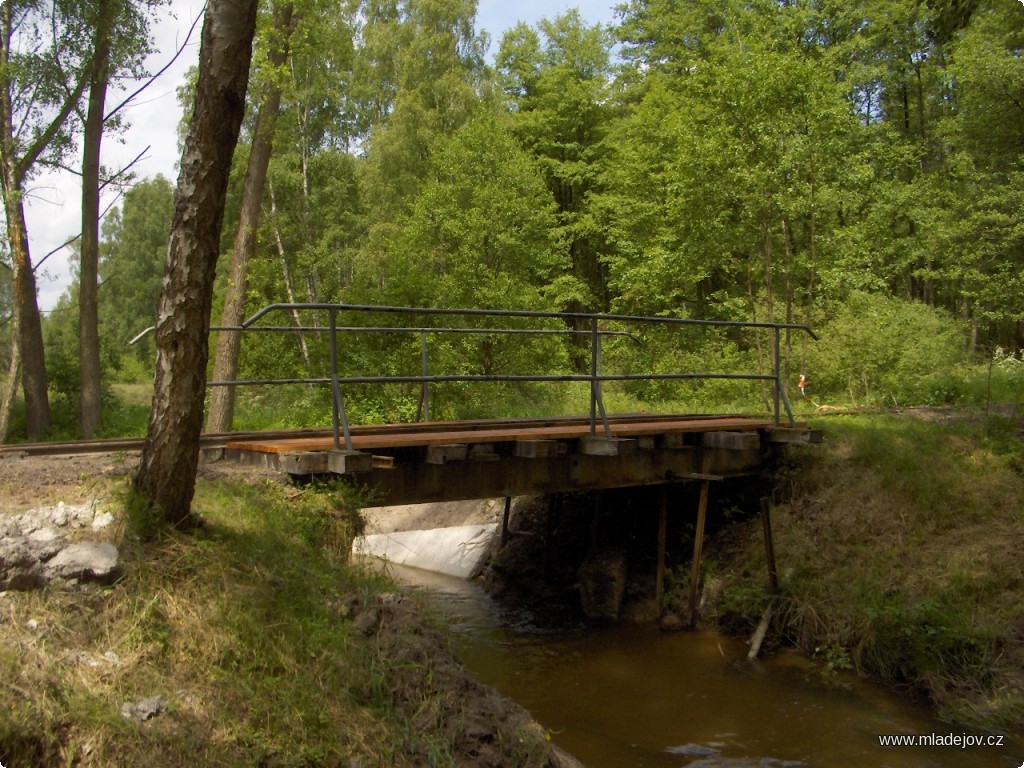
(402, 329)
(214, 440)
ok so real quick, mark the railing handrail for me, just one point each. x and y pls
(467, 312)
(593, 322)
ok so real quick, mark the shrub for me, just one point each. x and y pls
(878, 349)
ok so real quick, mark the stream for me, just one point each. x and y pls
(631, 695)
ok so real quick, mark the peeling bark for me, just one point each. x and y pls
(166, 477)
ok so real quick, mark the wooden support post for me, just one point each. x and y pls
(504, 520)
(769, 547)
(698, 539)
(773, 582)
(662, 539)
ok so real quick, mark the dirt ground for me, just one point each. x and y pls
(33, 481)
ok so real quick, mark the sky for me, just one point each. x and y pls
(54, 201)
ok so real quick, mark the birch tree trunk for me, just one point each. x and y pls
(166, 478)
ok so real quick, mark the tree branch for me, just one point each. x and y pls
(35, 149)
(70, 240)
(163, 69)
(124, 170)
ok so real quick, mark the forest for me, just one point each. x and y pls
(850, 165)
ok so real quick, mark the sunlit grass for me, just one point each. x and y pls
(899, 549)
(245, 630)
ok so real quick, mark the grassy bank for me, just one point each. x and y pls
(899, 546)
(263, 645)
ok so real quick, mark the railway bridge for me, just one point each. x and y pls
(431, 461)
(450, 460)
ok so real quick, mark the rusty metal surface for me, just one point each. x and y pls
(409, 436)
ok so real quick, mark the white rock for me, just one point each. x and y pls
(102, 520)
(90, 560)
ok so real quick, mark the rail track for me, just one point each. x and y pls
(213, 441)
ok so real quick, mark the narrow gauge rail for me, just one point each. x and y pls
(219, 440)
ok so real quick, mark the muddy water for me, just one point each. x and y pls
(626, 696)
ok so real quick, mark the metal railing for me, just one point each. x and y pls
(593, 331)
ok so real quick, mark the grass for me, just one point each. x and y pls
(253, 633)
(898, 541)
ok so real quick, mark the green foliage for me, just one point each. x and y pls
(132, 258)
(559, 86)
(852, 166)
(878, 350)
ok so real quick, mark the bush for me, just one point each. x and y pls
(877, 349)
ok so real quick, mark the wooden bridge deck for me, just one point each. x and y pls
(438, 461)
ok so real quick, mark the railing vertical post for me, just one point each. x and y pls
(338, 404)
(332, 340)
(596, 395)
(777, 371)
(424, 407)
(593, 375)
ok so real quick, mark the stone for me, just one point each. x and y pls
(366, 622)
(86, 561)
(144, 710)
(20, 568)
(44, 543)
(102, 520)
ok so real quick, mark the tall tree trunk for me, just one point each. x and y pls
(30, 330)
(13, 381)
(167, 471)
(89, 399)
(13, 171)
(225, 366)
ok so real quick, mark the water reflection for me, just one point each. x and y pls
(626, 696)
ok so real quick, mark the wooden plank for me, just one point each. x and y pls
(407, 438)
(441, 454)
(698, 476)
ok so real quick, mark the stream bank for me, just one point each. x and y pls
(898, 549)
(629, 695)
